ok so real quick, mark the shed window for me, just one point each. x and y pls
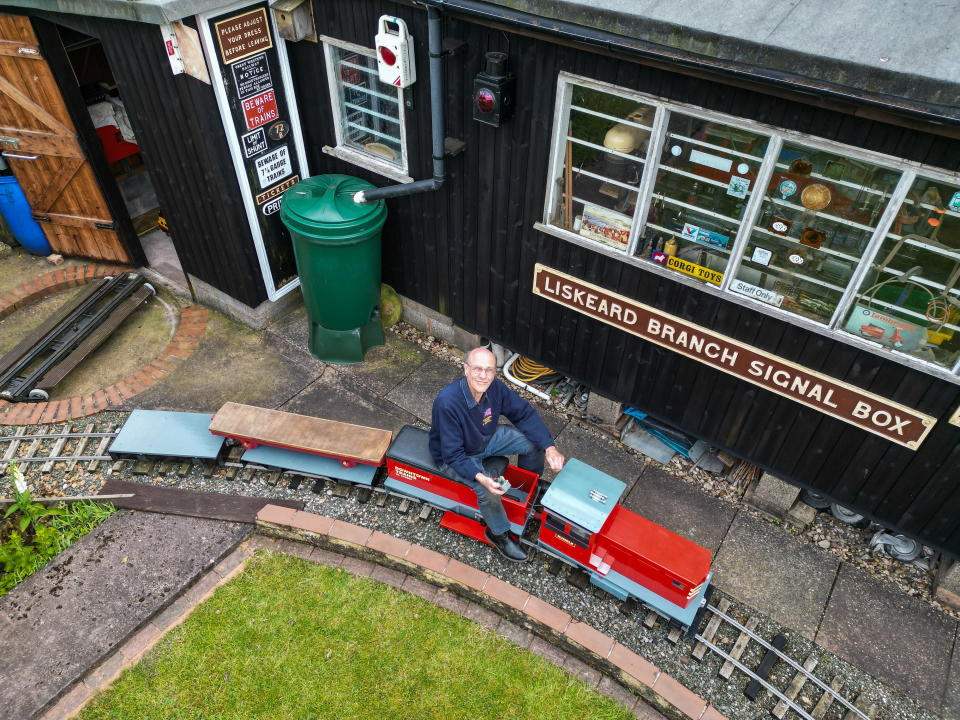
(705, 177)
(847, 242)
(909, 300)
(368, 114)
(819, 211)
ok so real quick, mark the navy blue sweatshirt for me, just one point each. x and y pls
(462, 427)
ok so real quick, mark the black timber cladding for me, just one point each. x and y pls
(180, 134)
(469, 251)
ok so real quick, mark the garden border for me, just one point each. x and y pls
(524, 619)
(191, 325)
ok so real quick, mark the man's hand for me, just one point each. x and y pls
(490, 484)
(554, 459)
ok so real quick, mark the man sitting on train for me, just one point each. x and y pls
(466, 429)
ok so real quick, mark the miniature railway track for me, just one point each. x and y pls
(64, 450)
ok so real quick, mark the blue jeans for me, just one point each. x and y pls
(506, 440)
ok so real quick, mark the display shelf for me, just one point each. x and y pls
(604, 179)
(945, 252)
(793, 274)
(736, 153)
(698, 178)
(794, 241)
(820, 214)
(923, 281)
(905, 311)
(695, 208)
(618, 121)
(661, 228)
(601, 148)
(846, 183)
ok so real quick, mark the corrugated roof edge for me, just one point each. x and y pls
(931, 99)
(844, 80)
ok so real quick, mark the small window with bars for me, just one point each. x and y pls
(368, 114)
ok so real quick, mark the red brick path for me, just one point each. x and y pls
(190, 328)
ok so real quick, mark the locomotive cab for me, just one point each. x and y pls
(623, 552)
(412, 471)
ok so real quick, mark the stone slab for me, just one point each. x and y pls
(328, 398)
(951, 698)
(680, 507)
(759, 564)
(385, 367)
(575, 442)
(231, 363)
(417, 392)
(66, 618)
(897, 639)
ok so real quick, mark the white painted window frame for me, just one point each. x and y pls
(908, 170)
(233, 142)
(399, 172)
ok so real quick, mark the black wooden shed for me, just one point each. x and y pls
(785, 200)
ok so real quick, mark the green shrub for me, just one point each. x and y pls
(32, 533)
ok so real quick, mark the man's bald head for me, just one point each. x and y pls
(481, 357)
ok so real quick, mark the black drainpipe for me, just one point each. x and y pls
(435, 33)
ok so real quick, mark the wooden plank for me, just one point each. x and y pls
(78, 221)
(726, 670)
(101, 449)
(23, 101)
(55, 452)
(300, 432)
(13, 445)
(14, 48)
(38, 142)
(81, 446)
(793, 689)
(216, 506)
(714, 623)
(826, 700)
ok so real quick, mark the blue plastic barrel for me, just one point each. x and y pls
(16, 211)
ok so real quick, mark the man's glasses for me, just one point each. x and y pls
(481, 371)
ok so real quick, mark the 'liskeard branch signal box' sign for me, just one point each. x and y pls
(890, 420)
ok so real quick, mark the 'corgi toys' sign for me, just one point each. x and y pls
(897, 423)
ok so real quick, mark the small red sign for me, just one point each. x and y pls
(260, 109)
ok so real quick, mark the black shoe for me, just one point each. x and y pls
(505, 546)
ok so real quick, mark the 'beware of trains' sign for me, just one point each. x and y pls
(890, 420)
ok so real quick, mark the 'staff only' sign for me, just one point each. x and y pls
(833, 397)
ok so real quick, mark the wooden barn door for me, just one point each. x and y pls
(40, 144)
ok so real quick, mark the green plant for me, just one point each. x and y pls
(32, 533)
(30, 512)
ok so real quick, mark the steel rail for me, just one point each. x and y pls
(53, 436)
(753, 676)
(59, 458)
(790, 661)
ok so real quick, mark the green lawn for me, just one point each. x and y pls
(288, 639)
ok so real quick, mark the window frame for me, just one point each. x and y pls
(343, 151)
(908, 172)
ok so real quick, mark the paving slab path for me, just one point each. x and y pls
(66, 618)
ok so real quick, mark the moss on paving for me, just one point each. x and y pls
(288, 639)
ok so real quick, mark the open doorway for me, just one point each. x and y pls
(127, 166)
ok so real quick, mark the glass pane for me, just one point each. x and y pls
(705, 177)
(909, 301)
(819, 212)
(604, 149)
(369, 109)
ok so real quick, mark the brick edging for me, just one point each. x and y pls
(551, 623)
(554, 627)
(191, 325)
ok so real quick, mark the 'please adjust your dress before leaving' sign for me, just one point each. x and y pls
(828, 395)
